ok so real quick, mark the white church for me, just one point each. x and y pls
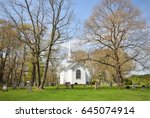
(74, 72)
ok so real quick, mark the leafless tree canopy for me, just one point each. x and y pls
(31, 32)
(41, 25)
(116, 25)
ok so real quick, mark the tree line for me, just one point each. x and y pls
(32, 31)
(37, 28)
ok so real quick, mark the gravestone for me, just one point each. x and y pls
(133, 86)
(72, 86)
(67, 84)
(15, 85)
(29, 87)
(22, 85)
(143, 87)
(97, 85)
(57, 85)
(53, 83)
(5, 88)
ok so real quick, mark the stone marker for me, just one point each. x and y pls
(67, 84)
(22, 85)
(143, 87)
(29, 87)
(96, 85)
(5, 88)
(72, 86)
(14, 85)
(133, 86)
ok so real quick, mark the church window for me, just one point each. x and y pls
(78, 74)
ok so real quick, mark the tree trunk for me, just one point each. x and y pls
(3, 63)
(119, 77)
(1, 73)
(39, 75)
(1, 67)
(46, 68)
(21, 72)
(1, 76)
(23, 64)
(48, 56)
(33, 78)
(9, 79)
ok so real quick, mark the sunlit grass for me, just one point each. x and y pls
(79, 93)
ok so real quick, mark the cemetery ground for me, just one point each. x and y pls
(79, 93)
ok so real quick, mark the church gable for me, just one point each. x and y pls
(77, 66)
(74, 72)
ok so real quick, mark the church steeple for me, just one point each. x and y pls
(69, 51)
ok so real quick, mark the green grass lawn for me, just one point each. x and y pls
(79, 93)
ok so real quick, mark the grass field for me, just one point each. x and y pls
(79, 93)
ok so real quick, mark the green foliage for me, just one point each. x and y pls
(93, 82)
(140, 79)
(135, 79)
(127, 82)
(28, 75)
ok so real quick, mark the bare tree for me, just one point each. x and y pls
(60, 19)
(116, 25)
(29, 21)
(41, 25)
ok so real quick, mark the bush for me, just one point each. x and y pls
(127, 82)
(93, 82)
(140, 79)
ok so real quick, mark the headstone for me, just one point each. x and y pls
(72, 86)
(14, 85)
(22, 85)
(57, 85)
(29, 87)
(133, 86)
(67, 84)
(5, 88)
(53, 83)
(96, 85)
(143, 87)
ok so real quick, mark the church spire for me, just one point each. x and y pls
(69, 51)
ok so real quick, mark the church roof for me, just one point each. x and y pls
(73, 64)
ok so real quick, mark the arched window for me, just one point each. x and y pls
(78, 74)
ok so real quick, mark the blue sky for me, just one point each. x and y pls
(83, 8)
